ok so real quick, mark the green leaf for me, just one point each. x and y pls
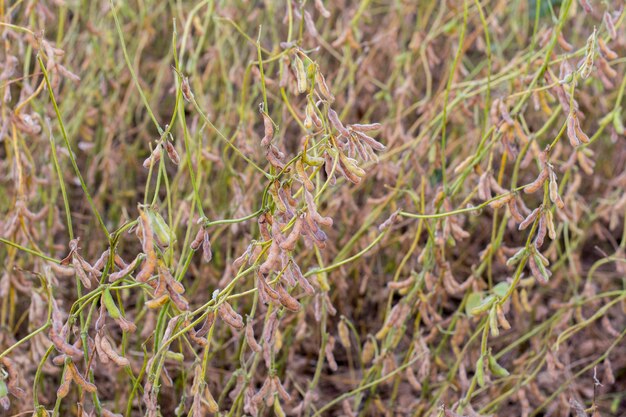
(473, 301)
(501, 289)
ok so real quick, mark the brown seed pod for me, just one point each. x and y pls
(607, 52)
(582, 137)
(287, 301)
(107, 349)
(186, 89)
(290, 242)
(610, 26)
(333, 117)
(127, 270)
(512, 204)
(268, 126)
(606, 68)
(344, 334)
(328, 351)
(554, 190)
(318, 218)
(571, 130)
(107, 413)
(207, 253)
(529, 219)
(230, 316)
(197, 241)
(585, 163)
(321, 9)
(313, 230)
(369, 349)
(501, 202)
(266, 293)
(272, 155)
(502, 321)
(154, 157)
(280, 389)
(300, 72)
(273, 258)
(538, 182)
(179, 301)
(171, 152)
(538, 270)
(563, 43)
(78, 267)
(310, 24)
(61, 345)
(263, 221)
(64, 388)
(322, 87)
(302, 281)
(254, 345)
(13, 377)
(126, 325)
(412, 379)
(79, 379)
(549, 219)
(368, 127)
(147, 242)
(269, 331)
(158, 301)
(541, 231)
(329, 164)
(263, 392)
(304, 178)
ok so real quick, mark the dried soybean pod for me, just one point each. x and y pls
(230, 316)
(80, 380)
(300, 72)
(504, 323)
(280, 389)
(13, 376)
(197, 240)
(81, 272)
(148, 247)
(369, 349)
(254, 345)
(304, 178)
(107, 348)
(107, 413)
(320, 8)
(538, 182)
(287, 301)
(64, 388)
(290, 242)
(328, 351)
(554, 191)
(529, 219)
(550, 224)
(512, 204)
(541, 231)
(268, 127)
(344, 334)
(333, 117)
(126, 270)
(171, 152)
(605, 50)
(320, 83)
(571, 130)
